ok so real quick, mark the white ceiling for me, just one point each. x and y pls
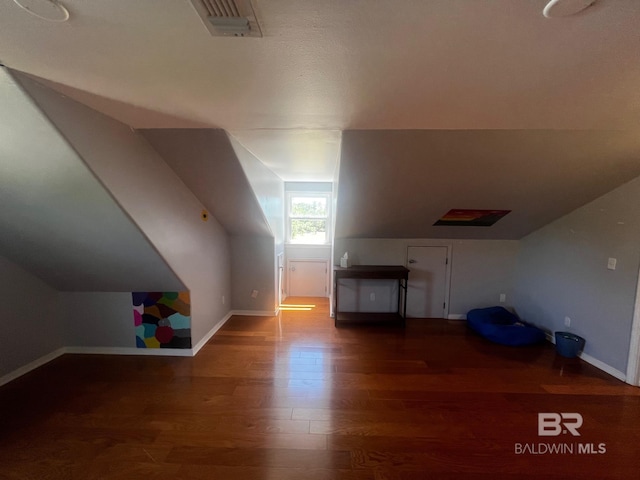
(329, 65)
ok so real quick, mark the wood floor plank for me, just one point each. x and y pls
(343, 402)
(396, 429)
(394, 416)
(261, 457)
(208, 472)
(243, 439)
(261, 422)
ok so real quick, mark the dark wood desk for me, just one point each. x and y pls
(376, 272)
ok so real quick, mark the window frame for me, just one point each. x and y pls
(290, 195)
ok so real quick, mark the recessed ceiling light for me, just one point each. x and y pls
(49, 10)
(564, 8)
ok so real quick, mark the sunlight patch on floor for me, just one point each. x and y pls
(299, 308)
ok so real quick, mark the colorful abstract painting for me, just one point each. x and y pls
(471, 218)
(162, 319)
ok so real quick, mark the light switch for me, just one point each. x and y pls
(611, 264)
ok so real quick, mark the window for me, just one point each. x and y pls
(308, 218)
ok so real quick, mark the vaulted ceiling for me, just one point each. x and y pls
(326, 66)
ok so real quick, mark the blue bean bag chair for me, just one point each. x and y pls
(499, 325)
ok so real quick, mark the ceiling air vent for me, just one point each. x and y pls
(228, 18)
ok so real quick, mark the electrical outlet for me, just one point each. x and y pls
(254, 294)
(611, 263)
(567, 322)
(372, 297)
(503, 297)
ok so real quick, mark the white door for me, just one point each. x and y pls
(427, 288)
(308, 278)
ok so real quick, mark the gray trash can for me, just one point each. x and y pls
(569, 344)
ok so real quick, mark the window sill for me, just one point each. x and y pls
(307, 245)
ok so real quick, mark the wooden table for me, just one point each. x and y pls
(377, 272)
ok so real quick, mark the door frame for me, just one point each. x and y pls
(633, 363)
(280, 280)
(314, 260)
(447, 279)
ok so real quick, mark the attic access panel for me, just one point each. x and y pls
(470, 218)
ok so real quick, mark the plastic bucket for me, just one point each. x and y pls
(568, 344)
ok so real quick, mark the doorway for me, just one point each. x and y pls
(428, 287)
(307, 278)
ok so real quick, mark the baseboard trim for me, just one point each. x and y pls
(32, 366)
(255, 313)
(606, 368)
(457, 316)
(211, 333)
(614, 372)
(156, 352)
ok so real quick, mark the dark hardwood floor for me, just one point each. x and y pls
(292, 397)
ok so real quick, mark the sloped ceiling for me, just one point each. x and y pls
(398, 183)
(206, 162)
(295, 155)
(56, 219)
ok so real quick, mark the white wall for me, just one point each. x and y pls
(253, 263)
(206, 161)
(154, 197)
(29, 318)
(562, 271)
(100, 319)
(480, 269)
(269, 190)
